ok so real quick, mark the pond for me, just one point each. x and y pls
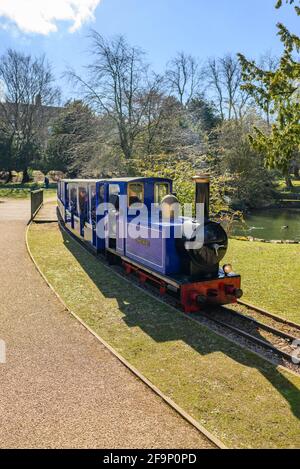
(270, 224)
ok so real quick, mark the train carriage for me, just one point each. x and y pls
(134, 221)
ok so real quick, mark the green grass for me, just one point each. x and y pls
(22, 191)
(295, 182)
(241, 398)
(290, 195)
(270, 275)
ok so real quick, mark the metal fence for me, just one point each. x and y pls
(37, 198)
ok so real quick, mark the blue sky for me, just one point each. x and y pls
(160, 27)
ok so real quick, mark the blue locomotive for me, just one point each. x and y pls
(136, 221)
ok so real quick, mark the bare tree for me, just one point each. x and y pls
(117, 80)
(183, 77)
(154, 102)
(215, 84)
(268, 62)
(231, 74)
(28, 89)
(224, 81)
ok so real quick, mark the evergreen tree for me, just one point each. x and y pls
(280, 88)
(73, 138)
(203, 113)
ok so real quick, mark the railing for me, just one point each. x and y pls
(37, 199)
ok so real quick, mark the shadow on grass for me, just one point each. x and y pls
(163, 325)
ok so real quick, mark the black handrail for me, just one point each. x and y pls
(37, 199)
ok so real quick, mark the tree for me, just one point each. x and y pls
(249, 183)
(268, 63)
(28, 89)
(280, 87)
(183, 77)
(118, 86)
(7, 151)
(182, 172)
(223, 76)
(203, 113)
(156, 115)
(291, 2)
(73, 139)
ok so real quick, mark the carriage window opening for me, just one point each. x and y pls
(82, 201)
(93, 202)
(135, 193)
(114, 191)
(161, 189)
(73, 198)
(101, 194)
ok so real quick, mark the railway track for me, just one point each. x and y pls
(260, 333)
(258, 327)
(255, 311)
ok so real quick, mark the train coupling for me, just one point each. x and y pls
(233, 291)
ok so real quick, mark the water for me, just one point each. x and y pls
(269, 224)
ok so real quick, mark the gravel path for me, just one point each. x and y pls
(59, 386)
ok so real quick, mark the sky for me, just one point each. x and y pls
(203, 28)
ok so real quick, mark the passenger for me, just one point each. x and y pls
(93, 207)
(46, 181)
(73, 202)
(83, 204)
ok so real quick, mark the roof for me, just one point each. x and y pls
(136, 178)
(124, 179)
(82, 180)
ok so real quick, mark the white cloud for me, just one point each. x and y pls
(41, 16)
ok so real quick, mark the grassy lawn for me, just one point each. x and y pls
(290, 195)
(241, 398)
(270, 275)
(295, 182)
(22, 191)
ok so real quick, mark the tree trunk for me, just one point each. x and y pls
(9, 177)
(288, 183)
(25, 176)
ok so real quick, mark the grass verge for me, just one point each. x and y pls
(22, 191)
(270, 275)
(241, 398)
(293, 194)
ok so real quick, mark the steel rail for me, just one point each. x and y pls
(264, 312)
(262, 325)
(250, 337)
(234, 329)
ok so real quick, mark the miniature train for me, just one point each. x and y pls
(133, 221)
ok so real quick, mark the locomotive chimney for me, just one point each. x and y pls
(202, 192)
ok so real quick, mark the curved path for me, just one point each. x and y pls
(59, 386)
